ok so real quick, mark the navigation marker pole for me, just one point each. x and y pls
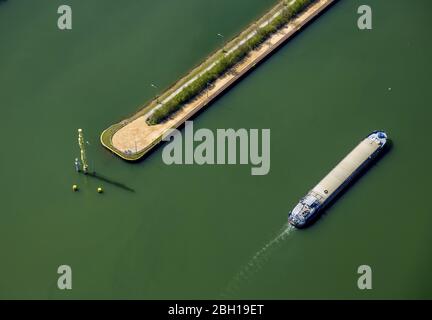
(83, 151)
(77, 165)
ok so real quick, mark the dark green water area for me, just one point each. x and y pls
(186, 231)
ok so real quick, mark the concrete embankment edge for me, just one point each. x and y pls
(107, 134)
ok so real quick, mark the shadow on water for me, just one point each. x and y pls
(225, 92)
(109, 181)
(386, 149)
(256, 262)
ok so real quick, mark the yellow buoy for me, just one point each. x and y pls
(99, 190)
(75, 187)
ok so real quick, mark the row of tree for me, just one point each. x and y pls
(227, 62)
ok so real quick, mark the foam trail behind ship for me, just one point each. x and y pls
(257, 260)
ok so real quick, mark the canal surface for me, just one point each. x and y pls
(163, 231)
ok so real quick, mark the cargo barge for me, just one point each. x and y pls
(337, 179)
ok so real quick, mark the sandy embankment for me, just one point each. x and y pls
(138, 137)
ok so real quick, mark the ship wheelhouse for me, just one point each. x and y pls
(304, 210)
(337, 178)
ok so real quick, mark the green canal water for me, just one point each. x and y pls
(189, 231)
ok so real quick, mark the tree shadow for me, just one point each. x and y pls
(228, 90)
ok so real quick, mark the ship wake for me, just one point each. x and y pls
(258, 260)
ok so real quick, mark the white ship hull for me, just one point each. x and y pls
(337, 179)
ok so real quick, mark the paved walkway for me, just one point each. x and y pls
(138, 137)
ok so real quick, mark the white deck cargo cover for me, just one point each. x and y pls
(346, 168)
